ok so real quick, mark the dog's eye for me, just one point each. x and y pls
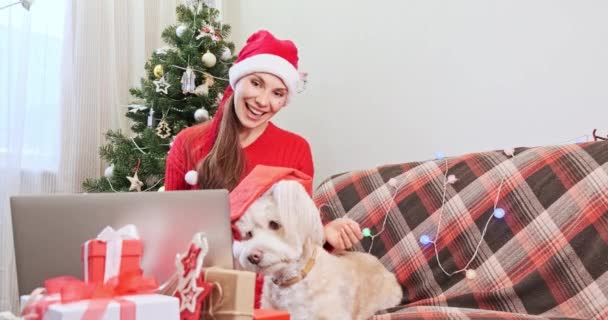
(248, 235)
(273, 225)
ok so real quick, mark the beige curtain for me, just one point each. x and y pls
(104, 48)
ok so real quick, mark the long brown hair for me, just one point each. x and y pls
(223, 166)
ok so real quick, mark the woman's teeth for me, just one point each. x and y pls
(256, 113)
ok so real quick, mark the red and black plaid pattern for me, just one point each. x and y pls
(548, 257)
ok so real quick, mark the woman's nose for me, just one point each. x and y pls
(262, 100)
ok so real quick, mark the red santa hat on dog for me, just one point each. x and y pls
(256, 183)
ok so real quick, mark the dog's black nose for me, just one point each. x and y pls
(255, 257)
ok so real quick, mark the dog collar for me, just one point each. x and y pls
(303, 273)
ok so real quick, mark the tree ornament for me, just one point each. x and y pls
(226, 54)
(152, 180)
(151, 118)
(162, 51)
(187, 81)
(191, 3)
(161, 85)
(158, 71)
(163, 130)
(201, 115)
(201, 90)
(180, 30)
(134, 108)
(136, 184)
(109, 172)
(161, 189)
(209, 59)
(209, 32)
(191, 288)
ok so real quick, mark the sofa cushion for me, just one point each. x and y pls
(548, 256)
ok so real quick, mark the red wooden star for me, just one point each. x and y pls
(189, 261)
(191, 298)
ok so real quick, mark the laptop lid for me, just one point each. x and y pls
(49, 230)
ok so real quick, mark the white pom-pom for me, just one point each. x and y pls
(452, 179)
(201, 114)
(509, 151)
(471, 274)
(109, 172)
(209, 59)
(191, 177)
(392, 182)
(226, 54)
(161, 189)
(180, 30)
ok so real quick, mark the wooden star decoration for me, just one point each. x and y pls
(136, 184)
(161, 85)
(191, 298)
(189, 261)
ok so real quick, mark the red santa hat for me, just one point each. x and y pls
(257, 182)
(263, 52)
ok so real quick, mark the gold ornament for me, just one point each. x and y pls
(163, 130)
(158, 71)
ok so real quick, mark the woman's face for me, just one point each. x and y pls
(258, 97)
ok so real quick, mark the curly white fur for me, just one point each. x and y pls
(280, 232)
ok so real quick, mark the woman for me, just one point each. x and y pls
(223, 151)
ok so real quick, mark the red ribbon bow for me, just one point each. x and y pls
(72, 289)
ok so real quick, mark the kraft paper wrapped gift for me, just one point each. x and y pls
(233, 294)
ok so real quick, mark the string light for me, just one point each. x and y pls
(426, 240)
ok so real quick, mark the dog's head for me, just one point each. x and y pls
(277, 227)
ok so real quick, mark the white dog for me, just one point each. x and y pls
(282, 238)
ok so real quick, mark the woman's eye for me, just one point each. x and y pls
(279, 94)
(273, 225)
(255, 83)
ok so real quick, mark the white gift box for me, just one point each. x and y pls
(147, 307)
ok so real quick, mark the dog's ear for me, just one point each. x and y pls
(298, 212)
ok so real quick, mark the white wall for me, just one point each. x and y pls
(396, 81)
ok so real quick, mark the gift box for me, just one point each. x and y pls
(111, 254)
(232, 296)
(135, 307)
(267, 314)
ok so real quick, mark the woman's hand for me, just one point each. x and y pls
(343, 233)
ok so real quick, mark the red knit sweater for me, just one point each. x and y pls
(274, 147)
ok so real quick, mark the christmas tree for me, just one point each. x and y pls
(183, 85)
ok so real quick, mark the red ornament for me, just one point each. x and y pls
(191, 298)
(189, 261)
(211, 33)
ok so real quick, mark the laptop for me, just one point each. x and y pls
(49, 230)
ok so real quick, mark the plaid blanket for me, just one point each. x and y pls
(547, 258)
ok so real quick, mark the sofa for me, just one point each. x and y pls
(546, 258)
